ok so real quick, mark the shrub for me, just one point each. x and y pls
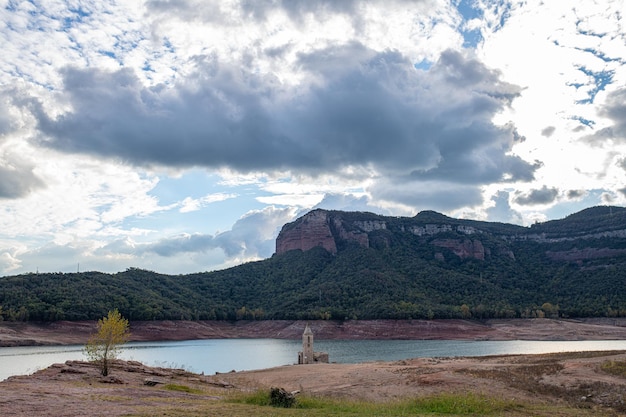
(281, 398)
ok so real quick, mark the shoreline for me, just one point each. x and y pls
(14, 334)
(564, 384)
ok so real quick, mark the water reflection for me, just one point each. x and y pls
(224, 355)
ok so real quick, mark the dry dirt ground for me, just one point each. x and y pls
(76, 388)
(574, 378)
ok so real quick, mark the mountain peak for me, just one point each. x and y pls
(432, 216)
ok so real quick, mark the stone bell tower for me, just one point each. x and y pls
(308, 355)
(307, 346)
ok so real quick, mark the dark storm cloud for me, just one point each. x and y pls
(364, 109)
(218, 119)
(543, 195)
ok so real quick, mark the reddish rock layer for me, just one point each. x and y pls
(308, 232)
(465, 248)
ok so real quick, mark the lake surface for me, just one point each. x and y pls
(224, 355)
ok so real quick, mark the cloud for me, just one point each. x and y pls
(548, 131)
(214, 12)
(611, 197)
(355, 14)
(349, 202)
(614, 109)
(251, 237)
(543, 195)
(18, 173)
(502, 211)
(361, 108)
(386, 106)
(425, 195)
(576, 194)
(6, 123)
(52, 257)
(194, 204)
(17, 176)
(8, 262)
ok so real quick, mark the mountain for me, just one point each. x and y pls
(338, 265)
(333, 230)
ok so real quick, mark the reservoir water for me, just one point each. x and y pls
(224, 355)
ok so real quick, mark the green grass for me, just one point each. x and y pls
(614, 368)
(445, 404)
(181, 388)
(464, 404)
(260, 398)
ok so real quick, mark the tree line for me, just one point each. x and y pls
(402, 279)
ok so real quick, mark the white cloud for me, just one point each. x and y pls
(251, 238)
(8, 261)
(80, 199)
(560, 54)
(297, 200)
(288, 105)
(193, 204)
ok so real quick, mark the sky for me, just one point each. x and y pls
(178, 136)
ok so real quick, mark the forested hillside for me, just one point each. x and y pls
(429, 266)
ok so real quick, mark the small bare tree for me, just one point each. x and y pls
(103, 346)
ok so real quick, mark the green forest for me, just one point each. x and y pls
(400, 279)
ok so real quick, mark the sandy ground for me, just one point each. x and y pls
(64, 332)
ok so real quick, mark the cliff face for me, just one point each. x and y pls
(320, 228)
(306, 233)
(465, 239)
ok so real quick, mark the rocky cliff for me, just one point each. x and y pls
(329, 229)
(465, 239)
(308, 232)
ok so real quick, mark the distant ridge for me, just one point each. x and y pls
(356, 265)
